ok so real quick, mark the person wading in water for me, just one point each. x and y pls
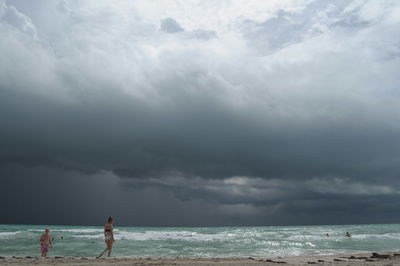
(45, 242)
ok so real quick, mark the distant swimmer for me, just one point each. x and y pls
(348, 234)
(45, 242)
(327, 234)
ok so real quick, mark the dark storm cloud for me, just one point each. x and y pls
(209, 143)
(65, 197)
(253, 119)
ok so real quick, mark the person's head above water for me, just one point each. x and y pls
(46, 230)
(110, 220)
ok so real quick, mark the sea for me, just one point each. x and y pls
(268, 241)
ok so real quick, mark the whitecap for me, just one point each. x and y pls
(86, 230)
(7, 234)
(97, 236)
(172, 235)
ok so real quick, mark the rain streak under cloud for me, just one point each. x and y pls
(200, 112)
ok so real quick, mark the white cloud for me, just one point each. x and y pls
(116, 44)
(11, 16)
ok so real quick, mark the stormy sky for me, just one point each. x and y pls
(200, 113)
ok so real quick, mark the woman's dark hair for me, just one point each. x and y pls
(110, 219)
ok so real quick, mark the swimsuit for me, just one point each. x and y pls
(108, 237)
(44, 247)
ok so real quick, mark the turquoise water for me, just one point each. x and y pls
(271, 241)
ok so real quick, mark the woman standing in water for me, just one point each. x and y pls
(109, 236)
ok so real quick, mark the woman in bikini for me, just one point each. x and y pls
(109, 236)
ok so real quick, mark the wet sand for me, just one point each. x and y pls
(383, 259)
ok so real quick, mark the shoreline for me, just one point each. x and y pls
(385, 258)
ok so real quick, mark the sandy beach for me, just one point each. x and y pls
(384, 259)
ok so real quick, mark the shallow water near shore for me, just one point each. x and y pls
(269, 241)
